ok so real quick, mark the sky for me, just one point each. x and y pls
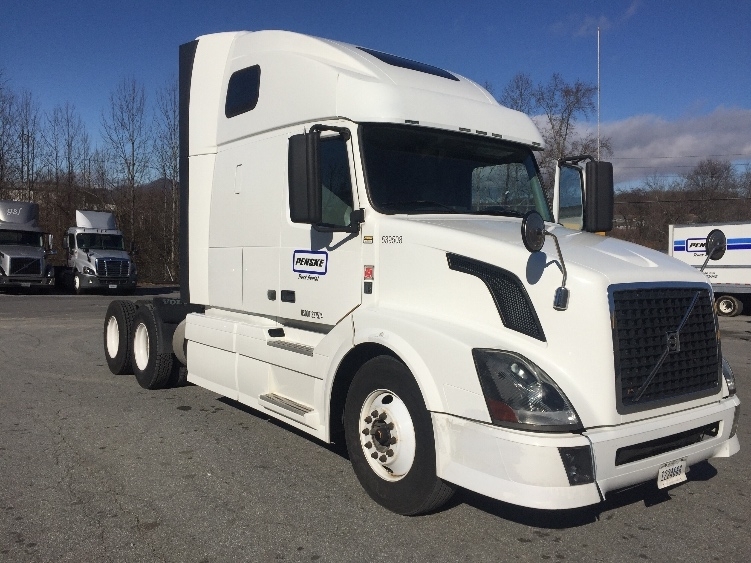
(675, 76)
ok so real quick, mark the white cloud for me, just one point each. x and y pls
(648, 145)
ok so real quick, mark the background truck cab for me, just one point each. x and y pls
(95, 255)
(24, 247)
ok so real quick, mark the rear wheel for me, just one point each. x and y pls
(389, 435)
(728, 306)
(118, 335)
(151, 368)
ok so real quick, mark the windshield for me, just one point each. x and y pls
(98, 241)
(414, 170)
(22, 238)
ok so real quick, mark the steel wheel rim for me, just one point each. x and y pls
(113, 337)
(387, 435)
(725, 306)
(141, 346)
(77, 282)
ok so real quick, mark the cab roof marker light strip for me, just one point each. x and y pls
(411, 122)
(465, 130)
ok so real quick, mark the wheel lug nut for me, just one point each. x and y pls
(368, 419)
(366, 431)
(374, 414)
(392, 440)
(382, 416)
(390, 426)
(368, 445)
(390, 453)
(374, 455)
(382, 458)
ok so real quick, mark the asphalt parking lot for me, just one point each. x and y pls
(94, 468)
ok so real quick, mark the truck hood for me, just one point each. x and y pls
(15, 251)
(577, 348)
(116, 254)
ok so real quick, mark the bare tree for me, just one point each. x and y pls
(29, 142)
(8, 136)
(557, 106)
(166, 151)
(127, 135)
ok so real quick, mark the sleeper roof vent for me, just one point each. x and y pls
(409, 64)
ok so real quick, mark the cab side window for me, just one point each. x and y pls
(336, 198)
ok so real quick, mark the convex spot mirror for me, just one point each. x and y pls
(716, 244)
(533, 231)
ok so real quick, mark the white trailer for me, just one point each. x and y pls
(367, 254)
(730, 275)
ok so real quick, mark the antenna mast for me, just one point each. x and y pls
(598, 93)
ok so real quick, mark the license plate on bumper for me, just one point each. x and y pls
(671, 473)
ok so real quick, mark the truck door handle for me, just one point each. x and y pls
(288, 296)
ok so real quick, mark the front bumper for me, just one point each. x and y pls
(27, 281)
(93, 282)
(525, 468)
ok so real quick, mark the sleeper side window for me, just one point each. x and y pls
(242, 91)
(336, 196)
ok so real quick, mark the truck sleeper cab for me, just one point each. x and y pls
(353, 264)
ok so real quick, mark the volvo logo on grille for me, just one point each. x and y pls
(674, 341)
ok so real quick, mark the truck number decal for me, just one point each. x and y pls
(14, 211)
(311, 314)
(391, 239)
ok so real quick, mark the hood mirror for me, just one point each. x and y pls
(533, 237)
(715, 247)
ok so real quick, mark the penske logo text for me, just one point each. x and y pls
(310, 262)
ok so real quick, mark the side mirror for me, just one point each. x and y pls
(304, 174)
(598, 197)
(715, 247)
(65, 243)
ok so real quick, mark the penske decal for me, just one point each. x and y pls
(310, 262)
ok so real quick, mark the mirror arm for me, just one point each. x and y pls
(560, 301)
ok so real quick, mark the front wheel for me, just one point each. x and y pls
(77, 284)
(389, 435)
(728, 306)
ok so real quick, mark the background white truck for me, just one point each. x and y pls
(367, 254)
(95, 253)
(24, 247)
(730, 275)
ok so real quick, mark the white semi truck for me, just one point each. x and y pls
(367, 253)
(24, 247)
(96, 258)
(731, 274)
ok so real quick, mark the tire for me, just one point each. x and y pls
(384, 399)
(728, 306)
(118, 335)
(77, 285)
(152, 369)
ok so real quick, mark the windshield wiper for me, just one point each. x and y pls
(498, 210)
(419, 203)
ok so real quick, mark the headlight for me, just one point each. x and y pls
(729, 376)
(88, 271)
(519, 394)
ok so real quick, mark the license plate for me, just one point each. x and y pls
(671, 473)
(113, 286)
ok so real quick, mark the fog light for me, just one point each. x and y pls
(577, 462)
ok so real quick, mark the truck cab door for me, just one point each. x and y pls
(321, 265)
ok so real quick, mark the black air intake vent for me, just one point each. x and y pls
(510, 297)
(649, 323)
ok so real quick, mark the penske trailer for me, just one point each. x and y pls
(367, 254)
(730, 275)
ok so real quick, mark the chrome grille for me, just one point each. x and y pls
(666, 351)
(112, 268)
(25, 266)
